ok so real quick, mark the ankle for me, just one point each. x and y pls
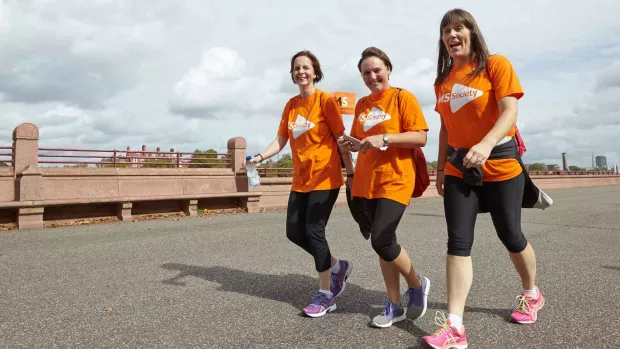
(456, 321)
(533, 293)
(417, 283)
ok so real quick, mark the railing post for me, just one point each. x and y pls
(29, 179)
(178, 159)
(114, 158)
(237, 153)
(25, 147)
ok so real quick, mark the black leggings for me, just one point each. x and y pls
(384, 216)
(306, 218)
(461, 202)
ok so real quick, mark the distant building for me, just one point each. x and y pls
(553, 167)
(601, 161)
(564, 162)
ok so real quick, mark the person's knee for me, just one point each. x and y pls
(293, 232)
(388, 251)
(459, 246)
(515, 243)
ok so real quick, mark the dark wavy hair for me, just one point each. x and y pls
(374, 52)
(316, 65)
(479, 50)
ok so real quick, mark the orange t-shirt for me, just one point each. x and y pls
(388, 174)
(310, 124)
(469, 110)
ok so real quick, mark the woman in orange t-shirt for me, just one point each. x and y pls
(312, 122)
(477, 98)
(389, 122)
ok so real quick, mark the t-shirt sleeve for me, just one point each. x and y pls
(332, 114)
(411, 113)
(504, 78)
(283, 128)
(358, 109)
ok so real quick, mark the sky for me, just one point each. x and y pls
(191, 74)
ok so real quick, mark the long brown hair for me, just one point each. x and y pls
(479, 50)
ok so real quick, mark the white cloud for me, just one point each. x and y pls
(191, 74)
(221, 85)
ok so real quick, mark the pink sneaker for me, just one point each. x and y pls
(526, 311)
(446, 336)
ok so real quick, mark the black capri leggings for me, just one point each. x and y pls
(384, 216)
(306, 218)
(461, 202)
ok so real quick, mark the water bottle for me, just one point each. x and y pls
(253, 178)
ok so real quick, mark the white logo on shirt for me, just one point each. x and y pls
(459, 96)
(374, 118)
(300, 126)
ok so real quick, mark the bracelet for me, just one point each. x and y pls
(439, 170)
(261, 157)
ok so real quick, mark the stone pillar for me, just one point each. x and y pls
(190, 207)
(29, 179)
(123, 211)
(252, 204)
(26, 145)
(236, 151)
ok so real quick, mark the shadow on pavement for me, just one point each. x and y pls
(610, 267)
(294, 289)
(297, 290)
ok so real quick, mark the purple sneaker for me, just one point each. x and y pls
(321, 305)
(339, 280)
(418, 299)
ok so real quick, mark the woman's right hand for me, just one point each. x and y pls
(345, 145)
(254, 160)
(439, 180)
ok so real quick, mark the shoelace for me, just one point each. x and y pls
(524, 304)
(441, 321)
(320, 299)
(387, 309)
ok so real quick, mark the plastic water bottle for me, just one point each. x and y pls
(253, 178)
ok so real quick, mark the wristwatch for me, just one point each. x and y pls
(385, 142)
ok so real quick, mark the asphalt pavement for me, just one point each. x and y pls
(235, 281)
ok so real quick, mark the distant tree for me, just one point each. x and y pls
(537, 166)
(280, 168)
(118, 163)
(2, 164)
(575, 168)
(159, 163)
(431, 166)
(77, 166)
(207, 159)
(285, 161)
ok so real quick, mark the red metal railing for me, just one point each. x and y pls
(131, 158)
(6, 156)
(288, 172)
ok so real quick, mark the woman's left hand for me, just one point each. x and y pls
(477, 155)
(371, 142)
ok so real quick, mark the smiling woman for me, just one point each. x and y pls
(389, 122)
(312, 122)
(477, 100)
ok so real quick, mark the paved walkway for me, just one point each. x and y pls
(234, 281)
